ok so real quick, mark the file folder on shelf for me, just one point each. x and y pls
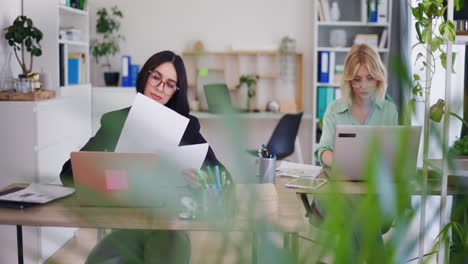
(126, 70)
(324, 67)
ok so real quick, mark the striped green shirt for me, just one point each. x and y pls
(338, 112)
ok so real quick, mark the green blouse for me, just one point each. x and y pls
(338, 112)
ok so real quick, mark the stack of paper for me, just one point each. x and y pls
(153, 128)
(298, 170)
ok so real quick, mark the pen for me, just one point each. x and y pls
(210, 173)
(223, 177)
(218, 177)
(202, 178)
(264, 151)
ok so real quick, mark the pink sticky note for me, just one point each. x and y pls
(116, 180)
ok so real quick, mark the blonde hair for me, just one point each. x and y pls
(363, 54)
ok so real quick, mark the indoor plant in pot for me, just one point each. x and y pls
(108, 42)
(24, 37)
(251, 82)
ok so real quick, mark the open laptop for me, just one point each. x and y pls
(388, 147)
(124, 180)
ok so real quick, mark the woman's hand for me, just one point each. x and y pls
(192, 177)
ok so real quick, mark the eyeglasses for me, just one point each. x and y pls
(358, 82)
(156, 78)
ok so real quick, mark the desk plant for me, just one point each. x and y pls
(108, 42)
(24, 37)
(251, 82)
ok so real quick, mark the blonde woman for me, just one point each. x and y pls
(363, 99)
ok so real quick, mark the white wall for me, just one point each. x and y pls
(9, 10)
(150, 26)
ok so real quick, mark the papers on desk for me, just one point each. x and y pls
(298, 170)
(37, 193)
(153, 128)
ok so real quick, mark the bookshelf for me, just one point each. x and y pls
(353, 20)
(280, 75)
(57, 46)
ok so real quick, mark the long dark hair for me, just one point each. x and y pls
(178, 101)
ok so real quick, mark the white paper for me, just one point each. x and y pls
(151, 128)
(38, 193)
(188, 157)
(298, 170)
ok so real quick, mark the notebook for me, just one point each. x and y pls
(125, 180)
(353, 142)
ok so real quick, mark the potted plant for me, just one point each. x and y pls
(251, 82)
(433, 30)
(24, 37)
(107, 44)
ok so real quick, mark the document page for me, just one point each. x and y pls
(151, 128)
(38, 193)
(189, 156)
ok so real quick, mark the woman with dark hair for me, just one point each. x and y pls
(163, 79)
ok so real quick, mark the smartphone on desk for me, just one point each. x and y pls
(306, 183)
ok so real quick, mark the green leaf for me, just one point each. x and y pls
(420, 55)
(451, 31)
(416, 77)
(454, 57)
(426, 35)
(28, 43)
(436, 111)
(459, 4)
(435, 43)
(443, 59)
(418, 31)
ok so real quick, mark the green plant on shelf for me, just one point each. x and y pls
(24, 37)
(107, 28)
(251, 81)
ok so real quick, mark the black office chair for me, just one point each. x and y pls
(282, 140)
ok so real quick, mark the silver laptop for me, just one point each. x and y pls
(387, 148)
(124, 180)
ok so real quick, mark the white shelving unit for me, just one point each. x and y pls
(38, 136)
(353, 20)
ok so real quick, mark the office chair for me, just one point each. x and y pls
(218, 98)
(284, 136)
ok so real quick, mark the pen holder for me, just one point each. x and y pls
(267, 169)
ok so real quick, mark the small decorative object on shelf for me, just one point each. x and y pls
(335, 12)
(198, 47)
(37, 86)
(107, 27)
(272, 106)
(338, 37)
(287, 44)
(6, 76)
(461, 27)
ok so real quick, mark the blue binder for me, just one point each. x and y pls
(325, 95)
(73, 71)
(372, 11)
(324, 66)
(126, 71)
(134, 74)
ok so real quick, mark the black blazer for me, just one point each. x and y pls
(108, 135)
